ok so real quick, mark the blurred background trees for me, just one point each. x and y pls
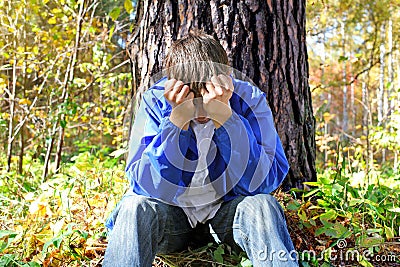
(63, 80)
(354, 76)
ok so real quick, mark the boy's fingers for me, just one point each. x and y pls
(190, 95)
(177, 87)
(217, 85)
(210, 92)
(175, 90)
(226, 81)
(216, 79)
(182, 94)
(169, 85)
(203, 91)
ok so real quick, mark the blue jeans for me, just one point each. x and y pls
(144, 227)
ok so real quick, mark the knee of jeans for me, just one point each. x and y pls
(261, 204)
(138, 206)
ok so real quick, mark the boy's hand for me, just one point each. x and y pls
(216, 98)
(180, 98)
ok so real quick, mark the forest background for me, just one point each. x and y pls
(65, 96)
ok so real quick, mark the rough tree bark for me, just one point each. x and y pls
(264, 39)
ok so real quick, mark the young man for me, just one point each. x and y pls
(204, 155)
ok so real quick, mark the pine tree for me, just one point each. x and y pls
(264, 39)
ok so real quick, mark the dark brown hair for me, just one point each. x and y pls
(194, 58)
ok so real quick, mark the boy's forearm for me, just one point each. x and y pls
(180, 119)
(222, 116)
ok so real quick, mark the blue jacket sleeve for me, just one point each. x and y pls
(156, 151)
(251, 148)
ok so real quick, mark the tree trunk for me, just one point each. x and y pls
(381, 88)
(345, 121)
(265, 40)
(11, 97)
(10, 141)
(25, 83)
(381, 96)
(69, 76)
(390, 99)
(328, 94)
(390, 68)
(396, 104)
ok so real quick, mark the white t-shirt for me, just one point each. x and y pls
(200, 201)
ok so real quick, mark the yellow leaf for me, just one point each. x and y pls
(327, 116)
(322, 18)
(52, 20)
(56, 10)
(35, 29)
(24, 101)
(389, 232)
(44, 236)
(40, 257)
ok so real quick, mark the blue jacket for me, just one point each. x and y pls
(246, 156)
